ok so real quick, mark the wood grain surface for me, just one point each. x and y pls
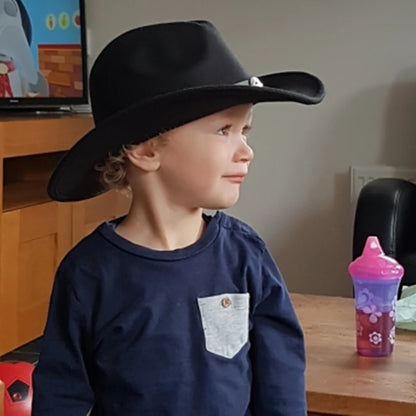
(339, 381)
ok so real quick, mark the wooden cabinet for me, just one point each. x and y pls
(87, 215)
(35, 232)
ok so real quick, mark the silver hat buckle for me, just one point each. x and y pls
(252, 82)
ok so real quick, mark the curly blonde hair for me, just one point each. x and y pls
(113, 169)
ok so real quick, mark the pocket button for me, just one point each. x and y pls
(226, 302)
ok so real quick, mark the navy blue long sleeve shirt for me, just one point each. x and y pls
(206, 330)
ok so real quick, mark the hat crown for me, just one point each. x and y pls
(160, 59)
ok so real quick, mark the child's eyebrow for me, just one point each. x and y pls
(246, 127)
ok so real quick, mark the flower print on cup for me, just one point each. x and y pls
(373, 312)
(375, 338)
(392, 313)
(392, 335)
(364, 298)
(359, 329)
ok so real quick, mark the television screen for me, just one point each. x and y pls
(42, 53)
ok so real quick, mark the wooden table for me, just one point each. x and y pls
(338, 380)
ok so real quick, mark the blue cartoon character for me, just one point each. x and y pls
(18, 74)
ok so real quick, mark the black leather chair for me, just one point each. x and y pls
(387, 208)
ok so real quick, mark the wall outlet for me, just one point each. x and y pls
(361, 175)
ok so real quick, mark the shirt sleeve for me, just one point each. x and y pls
(60, 380)
(277, 349)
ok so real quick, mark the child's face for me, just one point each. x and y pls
(203, 163)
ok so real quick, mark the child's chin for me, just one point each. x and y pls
(222, 204)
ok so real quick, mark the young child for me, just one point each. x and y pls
(169, 311)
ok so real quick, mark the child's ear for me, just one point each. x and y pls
(144, 156)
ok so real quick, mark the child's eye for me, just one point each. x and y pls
(223, 131)
(246, 131)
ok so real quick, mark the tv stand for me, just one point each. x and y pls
(36, 232)
(32, 111)
(44, 111)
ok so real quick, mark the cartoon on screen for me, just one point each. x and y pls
(40, 49)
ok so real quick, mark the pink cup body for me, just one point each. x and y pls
(375, 312)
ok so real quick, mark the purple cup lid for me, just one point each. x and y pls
(374, 264)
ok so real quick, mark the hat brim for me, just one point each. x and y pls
(75, 178)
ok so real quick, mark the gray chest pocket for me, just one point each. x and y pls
(225, 322)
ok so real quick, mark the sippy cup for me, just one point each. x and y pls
(376, 278)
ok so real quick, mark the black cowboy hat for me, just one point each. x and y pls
(155, 78)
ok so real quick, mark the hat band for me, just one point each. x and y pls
(252, 82)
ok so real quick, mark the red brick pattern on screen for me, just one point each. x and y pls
(61, 66)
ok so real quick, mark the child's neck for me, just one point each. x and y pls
(162, 229)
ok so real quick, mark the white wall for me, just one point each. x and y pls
(297, 194)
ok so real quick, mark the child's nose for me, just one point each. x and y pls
(244, 152)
